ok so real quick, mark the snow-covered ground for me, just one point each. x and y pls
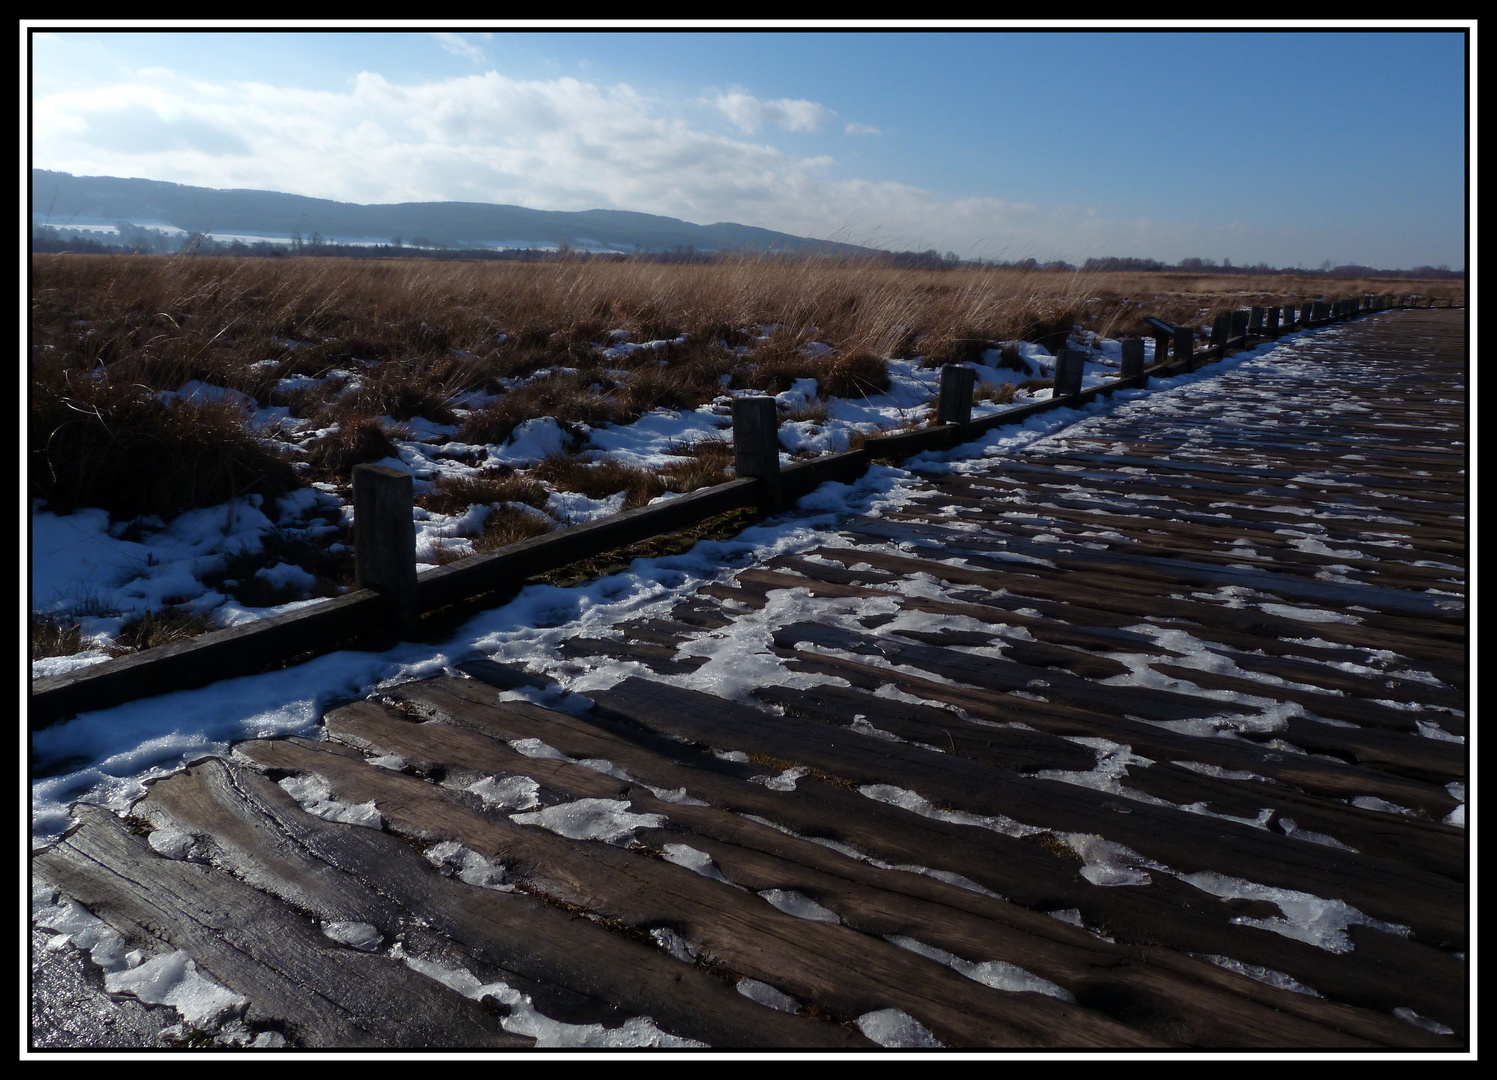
(106, 756)
(102, 574)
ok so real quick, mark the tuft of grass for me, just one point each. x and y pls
(857, 375)
(509, 524)
(454, 495)
(360, 440)
(600, 480)
(101, 443)
(52, 636)
(704, 462)
(164, 627)
(999, 393)
(966, 348)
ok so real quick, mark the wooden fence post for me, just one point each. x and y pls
(1185, 347)
(955, 403)
(1272, 329)
(1239, 323)
(1255, 323)
(756, 445)
(384, 537)
(1133, 361)
(1068, 368)
(1219, 331)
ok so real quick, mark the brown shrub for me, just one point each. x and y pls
(509, 525)
(454, 495)
(96, 442)
(359, 440)
(600, 480)
(859, 375)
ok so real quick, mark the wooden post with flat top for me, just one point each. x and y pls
(1133, 361)
(756, 445)
(1068, 369)
(955, 403)
(384, 537)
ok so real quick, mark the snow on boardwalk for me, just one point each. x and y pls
(1149, 736)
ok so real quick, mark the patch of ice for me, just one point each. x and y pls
(897, 1029)
(467, 865)
(1107, 863)
(525, 1019)
(171, 843)
(1262, 974)
(71, 922)
(698, 862)
(674, 944)
(608, 820)
(314, 795)
(1409, 1016)
(173, 979)
(356, 935)
(1431, 730)
(798, 904)
(1305, 917)
(765, 994)
(998, 974)
(507, 792)
(785, 781)
(1369, 802)
(909, 800)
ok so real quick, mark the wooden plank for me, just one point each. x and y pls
(1425, 902)
(297, 980)
(1127, 566)
(1092, 604)
(830, 965)
(575, 971)
(817, 808)
(1016, 750)
(1423, 790)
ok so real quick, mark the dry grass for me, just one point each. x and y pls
(501, 485)
(599, 480)
(164, 627)
(109, 332)
(98, 441)
(52, 636)
(509, 524)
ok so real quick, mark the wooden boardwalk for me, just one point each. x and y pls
(1143, 738)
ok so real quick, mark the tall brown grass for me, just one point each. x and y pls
(109, 332)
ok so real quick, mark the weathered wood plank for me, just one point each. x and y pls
(588, 737)
(1427, 903)
(831, 965)
(575, 971)
(297, 979)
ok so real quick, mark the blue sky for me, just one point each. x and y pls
(1288, 147)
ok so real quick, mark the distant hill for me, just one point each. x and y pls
(61, 200)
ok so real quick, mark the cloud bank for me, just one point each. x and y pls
(558, 144)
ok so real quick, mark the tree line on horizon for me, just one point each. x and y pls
(139, 240)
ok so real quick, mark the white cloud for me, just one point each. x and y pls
(861, 129)
(458, 45)
(751, 114)
(560, 144)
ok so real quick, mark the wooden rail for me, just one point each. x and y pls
(391, 598)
